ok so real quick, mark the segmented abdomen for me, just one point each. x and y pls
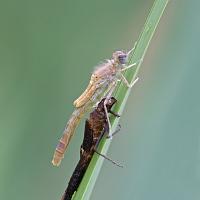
(77, 176)
(67, 135)
(88, 93)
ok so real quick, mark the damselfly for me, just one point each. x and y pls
(102, 84)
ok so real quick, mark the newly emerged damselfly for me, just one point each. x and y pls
(102, 84)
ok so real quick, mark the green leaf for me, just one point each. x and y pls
(85, 189)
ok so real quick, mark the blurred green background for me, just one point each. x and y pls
(47, 52)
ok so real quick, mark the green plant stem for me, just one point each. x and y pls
(122, 93)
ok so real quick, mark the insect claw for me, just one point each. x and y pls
(114, 133)
(129, 52)
(115, 114)
(112, 161)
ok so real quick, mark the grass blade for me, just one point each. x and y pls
(122, 93)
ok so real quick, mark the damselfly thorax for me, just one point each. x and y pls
(101, 78)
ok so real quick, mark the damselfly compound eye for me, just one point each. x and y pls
(120, 57)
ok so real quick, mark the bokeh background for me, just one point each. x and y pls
(47, 52)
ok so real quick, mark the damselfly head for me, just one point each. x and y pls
(120, 57)
(110, 102)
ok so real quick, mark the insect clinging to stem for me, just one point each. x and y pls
(95, 128)
(103, 82)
